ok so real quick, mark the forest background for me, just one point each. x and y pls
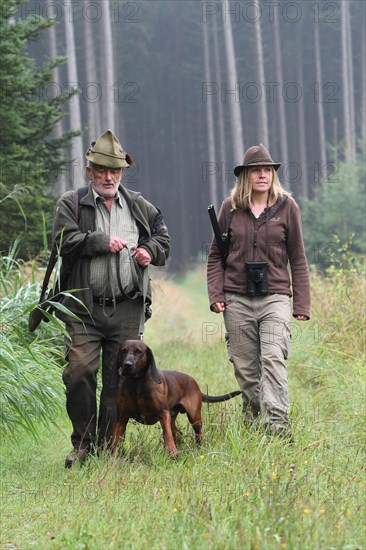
(187, 86)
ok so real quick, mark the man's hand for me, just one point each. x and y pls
(142, 257)
(116, 244)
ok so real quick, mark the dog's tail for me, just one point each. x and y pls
(219, 398)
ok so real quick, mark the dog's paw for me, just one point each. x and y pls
(174, 454)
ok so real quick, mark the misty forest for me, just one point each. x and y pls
(186, 86)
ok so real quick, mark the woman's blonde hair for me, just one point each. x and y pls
(242, 193)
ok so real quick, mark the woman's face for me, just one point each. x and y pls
(260, 178)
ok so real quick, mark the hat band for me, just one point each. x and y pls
(257, 160)
(121, 157)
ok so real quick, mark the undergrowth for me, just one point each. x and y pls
(242, 489)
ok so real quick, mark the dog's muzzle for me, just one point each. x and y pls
(127, 368)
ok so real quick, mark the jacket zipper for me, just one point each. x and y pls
(255, 243)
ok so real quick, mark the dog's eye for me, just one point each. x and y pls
(139, 352)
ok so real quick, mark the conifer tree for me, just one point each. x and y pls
(31, 157)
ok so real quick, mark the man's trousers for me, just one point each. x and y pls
(93, 342)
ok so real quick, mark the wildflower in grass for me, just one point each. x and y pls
(175, 510)
(307, 511)
(202, 457)
(274, 475)
(322, 510)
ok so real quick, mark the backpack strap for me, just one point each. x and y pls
(77, 196)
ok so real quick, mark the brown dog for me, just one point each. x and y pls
(150, 395)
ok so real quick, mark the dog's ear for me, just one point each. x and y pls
(153, 370)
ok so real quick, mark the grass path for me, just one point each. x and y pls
(242, 489)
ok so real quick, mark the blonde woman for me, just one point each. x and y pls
(255, 290)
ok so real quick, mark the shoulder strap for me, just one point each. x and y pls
(225, 234)
(77, 196)
(270, 215)
(274, 208)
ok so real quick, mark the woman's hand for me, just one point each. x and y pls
(218, 307)
(301, 317)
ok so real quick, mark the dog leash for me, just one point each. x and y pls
(145, 285)
(140, 282)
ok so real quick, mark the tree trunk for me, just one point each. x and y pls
(304, 186)
(210, 120)
(281, 101)
(320, 109)
(107, 62)
(76, 168)
(346, 88)
(221, 158)
(351, 83)
(96, 92)
(363, 91)
(232, 90)
(263, 118)
(60, 185)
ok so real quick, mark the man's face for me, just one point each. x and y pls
(104, 181)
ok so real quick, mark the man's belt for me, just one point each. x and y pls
(108, 302)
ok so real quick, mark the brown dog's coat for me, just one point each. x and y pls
(151, 395)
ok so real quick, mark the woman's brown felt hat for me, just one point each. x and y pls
(256, 156)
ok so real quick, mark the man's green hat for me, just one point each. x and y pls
(107, 151)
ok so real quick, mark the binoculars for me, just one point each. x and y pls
(256, 278)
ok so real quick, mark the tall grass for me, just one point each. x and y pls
(242, 489)
(31, 391)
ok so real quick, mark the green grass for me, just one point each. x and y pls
(241, 489)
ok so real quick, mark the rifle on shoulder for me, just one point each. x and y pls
(218, 235)
(37, 313)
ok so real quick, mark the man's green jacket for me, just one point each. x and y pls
(78, 241)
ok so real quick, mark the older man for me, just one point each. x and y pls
(107, 240)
